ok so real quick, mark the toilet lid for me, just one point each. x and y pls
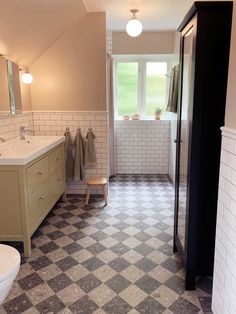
(9, 261)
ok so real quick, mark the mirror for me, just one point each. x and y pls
(14, 87)
(4, 91)
(10, 93)
(184, 134)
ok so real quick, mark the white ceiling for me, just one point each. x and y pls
(155, 15)
(29, 27)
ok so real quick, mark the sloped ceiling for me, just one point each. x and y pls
(29, 27)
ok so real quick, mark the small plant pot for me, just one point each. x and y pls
(126, 117)
(157, 116)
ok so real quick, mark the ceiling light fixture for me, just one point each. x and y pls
(27, 77)
(134, 26)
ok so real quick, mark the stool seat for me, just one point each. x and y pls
(96, 181)
(99, 181)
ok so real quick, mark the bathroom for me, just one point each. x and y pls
(64, 48)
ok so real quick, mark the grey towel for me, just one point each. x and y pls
(90, 152)
(69, 158)
(80, 144)
(173, 90)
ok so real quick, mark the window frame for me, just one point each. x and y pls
(141, 60)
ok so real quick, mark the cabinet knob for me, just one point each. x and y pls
(59, 179)
(40, 172)
(58, 158)
(42, 197)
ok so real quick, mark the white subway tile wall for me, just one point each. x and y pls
(224, 280)
(10, 124)
(142, 146)
(55, 123)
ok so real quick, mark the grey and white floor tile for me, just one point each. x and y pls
(116, 259)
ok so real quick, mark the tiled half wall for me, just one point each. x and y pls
(55, 123)
(142, 146)
(10, 124)
(224, 280)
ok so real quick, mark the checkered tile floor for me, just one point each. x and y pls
(115, 259)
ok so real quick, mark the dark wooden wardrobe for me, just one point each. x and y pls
(204, 57)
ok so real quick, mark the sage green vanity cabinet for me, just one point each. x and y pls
(27, 194)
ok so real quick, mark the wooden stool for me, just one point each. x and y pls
(102, 182)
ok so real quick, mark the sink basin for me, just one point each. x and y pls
(20, 152)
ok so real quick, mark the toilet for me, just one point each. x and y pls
(9, 267)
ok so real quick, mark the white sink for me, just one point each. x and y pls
(20, 152)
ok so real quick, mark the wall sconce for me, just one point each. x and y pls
(134, 26)
(27, 77)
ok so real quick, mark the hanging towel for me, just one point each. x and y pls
(80, 145)
(90, 153)
(173, 90)
(69, 158)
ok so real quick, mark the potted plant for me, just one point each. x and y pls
(158, 113)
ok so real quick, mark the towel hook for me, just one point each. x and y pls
(67, 129)
(79, 129)
(90, 130)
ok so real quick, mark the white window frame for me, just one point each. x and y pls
(141, 60)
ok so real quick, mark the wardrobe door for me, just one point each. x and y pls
(205, 39)
(184, 136)
(183, 139)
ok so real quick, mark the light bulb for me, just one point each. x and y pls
(27, 78)
(134, 26)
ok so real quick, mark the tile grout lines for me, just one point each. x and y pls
(116, 259)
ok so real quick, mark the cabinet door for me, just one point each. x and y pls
(183, 138)
(57, 183)
(38, 204)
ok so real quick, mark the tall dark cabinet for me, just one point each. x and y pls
(204, 56)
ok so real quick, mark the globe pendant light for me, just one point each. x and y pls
(27, 77)
(134, 26)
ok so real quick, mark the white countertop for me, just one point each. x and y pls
(21, 152)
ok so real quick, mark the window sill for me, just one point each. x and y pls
(163, 118)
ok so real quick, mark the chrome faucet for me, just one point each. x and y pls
(23, 129)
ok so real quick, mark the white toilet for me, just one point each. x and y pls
(9, 267)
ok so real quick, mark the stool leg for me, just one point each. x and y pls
(88, 194)
(105, 193)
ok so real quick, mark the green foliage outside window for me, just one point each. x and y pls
(154, 88)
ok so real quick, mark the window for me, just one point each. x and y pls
(140, 86)
(127, 74)
(155, 86)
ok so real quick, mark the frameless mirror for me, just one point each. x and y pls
(10, 93)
